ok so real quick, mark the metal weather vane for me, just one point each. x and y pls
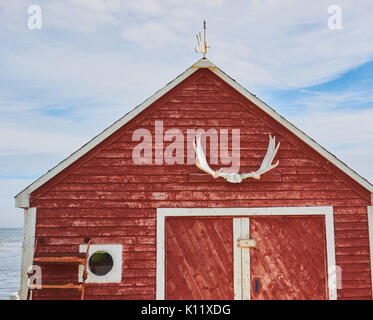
(202, 44)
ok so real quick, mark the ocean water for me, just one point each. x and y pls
(10, 261)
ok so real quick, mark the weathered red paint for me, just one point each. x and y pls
(106, 197)
(199, 259)
(290, 258)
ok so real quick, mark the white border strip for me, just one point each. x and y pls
(245, 262)
(161, 256)
(370, 231)
(330, 253)
(162, 213)
(237, 254)
(241, 260)
(29, 226)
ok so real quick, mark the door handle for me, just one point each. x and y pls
(257, 285)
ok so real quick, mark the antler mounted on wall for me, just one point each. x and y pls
(266, 165)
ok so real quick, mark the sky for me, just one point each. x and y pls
(92, 61)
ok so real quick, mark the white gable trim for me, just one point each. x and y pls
(22, 200)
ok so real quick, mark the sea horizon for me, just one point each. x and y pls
(10, 260)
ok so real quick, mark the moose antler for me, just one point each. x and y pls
(266, 165)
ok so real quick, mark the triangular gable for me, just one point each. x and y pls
(23, 198)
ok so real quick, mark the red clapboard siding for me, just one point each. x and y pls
(106, 197)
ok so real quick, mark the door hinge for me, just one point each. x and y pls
(246, 243)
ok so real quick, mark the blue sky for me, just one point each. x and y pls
(94, 60)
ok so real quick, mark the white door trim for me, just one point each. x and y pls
(237, 260)
(162, 213)
(241, 260)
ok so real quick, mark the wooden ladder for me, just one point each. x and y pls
(80, 258)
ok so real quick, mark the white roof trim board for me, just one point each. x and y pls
(23, 198)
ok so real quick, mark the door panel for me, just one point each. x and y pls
(289, 261)
(199, 258)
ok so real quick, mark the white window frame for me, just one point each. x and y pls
(115, 274)
(162, 213)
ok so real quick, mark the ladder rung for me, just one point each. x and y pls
(57, 286)
(78, 258)
(60, 260)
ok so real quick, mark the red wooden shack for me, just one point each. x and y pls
(161, 230)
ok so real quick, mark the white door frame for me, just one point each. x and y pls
(241, 260)
(162, 213)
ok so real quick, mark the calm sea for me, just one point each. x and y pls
(10, 261)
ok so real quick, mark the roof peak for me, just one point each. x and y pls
(204, 63)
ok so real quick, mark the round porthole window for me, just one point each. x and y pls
(100, 263)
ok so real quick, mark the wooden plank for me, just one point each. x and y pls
(202, 177)
(95, 222)
(218, 185)
(290, 258)
(251, 160)
(199, 195)
(246, 260)
(199, 265)
(201, 115)
(200, 106)
(115, 204)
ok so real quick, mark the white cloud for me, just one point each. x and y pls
(152, 35)
(346, 134)
(9, 215)
(35, 140)
(318, 100)
(79, 16)
(286, 44)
